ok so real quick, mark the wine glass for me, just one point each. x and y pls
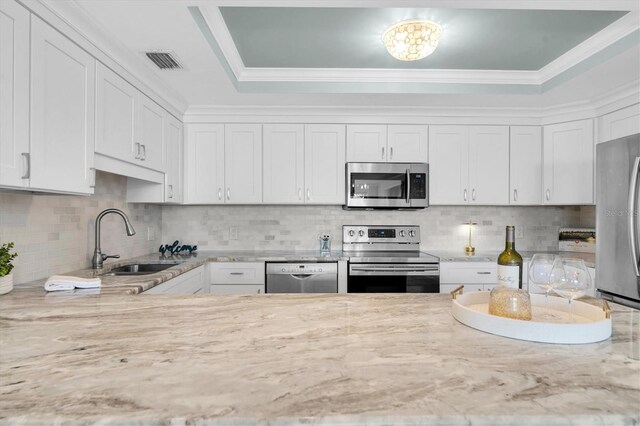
(540, 268)
(571, 279)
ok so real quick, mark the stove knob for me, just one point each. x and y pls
(320, 270)
(412, 233)
(402, 233)
(352, 233)
(283, 269)
(361, 233)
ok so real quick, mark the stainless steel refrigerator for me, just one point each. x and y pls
(617, 235)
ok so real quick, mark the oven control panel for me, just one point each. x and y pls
(382, 234)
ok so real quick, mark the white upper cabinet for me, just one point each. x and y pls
(283, 162)
(14, 95)
(525, 174)
(621, 123)
(62, 112)
(408, 143)
(375, 143)
(116, 115)
(129, 126)
(324, 165)
(204, 164)
(366, 143)
(568, 154)
(488, 165)
(243, 163)
(173, 175)
(449, 165)
(468, 165)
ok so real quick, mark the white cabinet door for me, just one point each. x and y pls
(448, 165)
(151, 134)
(191, 282)
(621, 123)
(204, 164)
(116, 115)
(62, 112)
(408, 143)
(568, 163)
(283, 162)
(366, 143)
(489, 165)
(14, 95)
(324, 164)
(173, 174)
(525, 164)
(243, 163)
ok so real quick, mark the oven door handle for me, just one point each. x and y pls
(393, 270)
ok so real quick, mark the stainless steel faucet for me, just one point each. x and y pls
(98, 257)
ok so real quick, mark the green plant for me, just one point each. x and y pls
(5, 259)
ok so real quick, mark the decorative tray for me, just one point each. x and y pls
(552, 321)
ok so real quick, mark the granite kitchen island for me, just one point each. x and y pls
(281, 359)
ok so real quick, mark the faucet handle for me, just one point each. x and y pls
(106, 256)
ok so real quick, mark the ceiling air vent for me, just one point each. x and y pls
(165, 60)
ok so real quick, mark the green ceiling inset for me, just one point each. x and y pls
(292, 37)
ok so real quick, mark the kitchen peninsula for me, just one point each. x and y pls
(283, 359)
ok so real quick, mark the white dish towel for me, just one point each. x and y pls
(63, 282)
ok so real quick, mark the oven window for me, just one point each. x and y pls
(378, 185)
(393, 284)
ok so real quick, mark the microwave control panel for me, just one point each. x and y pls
(418, 187)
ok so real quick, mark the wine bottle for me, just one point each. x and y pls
(510, 262)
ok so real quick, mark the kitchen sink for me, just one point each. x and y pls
(140, 269)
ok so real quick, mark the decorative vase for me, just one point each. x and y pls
(6, 284)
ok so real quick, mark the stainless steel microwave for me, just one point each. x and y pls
(387, 185)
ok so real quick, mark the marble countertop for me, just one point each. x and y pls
(492, 256)
(284, 359)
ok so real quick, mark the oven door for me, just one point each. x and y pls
(378, 185)
(393, 278)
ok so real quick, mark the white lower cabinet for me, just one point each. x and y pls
(192, 282)
(475, 276)
(236, 277)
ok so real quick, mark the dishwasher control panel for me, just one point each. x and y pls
(302, 268)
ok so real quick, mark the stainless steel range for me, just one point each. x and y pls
(387, 259)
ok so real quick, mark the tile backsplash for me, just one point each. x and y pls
(298, 227)
(54, 234)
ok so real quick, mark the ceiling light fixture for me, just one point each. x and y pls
(412, 40)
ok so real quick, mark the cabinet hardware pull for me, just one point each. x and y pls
(137, 144)
(228, 194)
(465, 195)
(308, 194)
(219, 193)
(299, 193)
(383, 152)
(548, 195)
(93, 170)
(515, 195)
(236, 273)
(170, 191)
(391, 153)
(26, 158)
(473, 194)
(144, 152)
(484, 273)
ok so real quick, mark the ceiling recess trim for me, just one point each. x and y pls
(352, 80)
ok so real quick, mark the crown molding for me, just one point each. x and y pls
(72, 20)
(218, 28)
(596, 43)
(457, 4)
(625, 96)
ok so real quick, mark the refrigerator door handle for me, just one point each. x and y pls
(633, 229)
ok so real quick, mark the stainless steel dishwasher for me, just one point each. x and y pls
(302, 278)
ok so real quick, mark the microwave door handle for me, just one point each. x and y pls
(408, 186)
(633, 224)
